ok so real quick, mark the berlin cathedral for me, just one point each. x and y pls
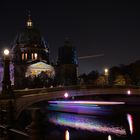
(30, 64)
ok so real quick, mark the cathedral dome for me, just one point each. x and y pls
(29, 45)
(30, 37)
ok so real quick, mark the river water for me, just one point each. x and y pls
(74, 120)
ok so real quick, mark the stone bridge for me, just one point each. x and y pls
(27, 97)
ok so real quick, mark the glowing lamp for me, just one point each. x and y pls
(106, 71)
(66, 95)
(128, 92)
(6, 52)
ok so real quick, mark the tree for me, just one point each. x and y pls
(100, 81)
(120, 81)
(83, 78)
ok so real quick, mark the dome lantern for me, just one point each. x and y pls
(29, 21)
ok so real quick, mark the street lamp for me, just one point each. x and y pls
(6, 52)
(6, 83)
(66, 95)
(106, 71)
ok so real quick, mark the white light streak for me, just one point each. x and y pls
(90, 56)
(87, 102)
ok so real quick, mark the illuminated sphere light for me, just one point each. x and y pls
(6, 52)
(66, 95)
(106, 70)
(128, 92)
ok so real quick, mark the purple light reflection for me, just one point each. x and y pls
(89, 123)
(83, 107)
(76, 108)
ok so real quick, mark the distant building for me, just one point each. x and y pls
(67, 64)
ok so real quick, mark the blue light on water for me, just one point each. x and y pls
(83, 107)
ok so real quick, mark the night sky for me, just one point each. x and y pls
(108, 27)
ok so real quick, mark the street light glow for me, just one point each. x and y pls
(106, 70)
(6, 52)
(128, 92)
(66, 95)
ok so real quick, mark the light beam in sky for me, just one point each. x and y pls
(90, 56)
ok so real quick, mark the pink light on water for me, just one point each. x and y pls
(130, 122)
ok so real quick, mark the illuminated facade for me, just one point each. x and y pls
(30, 61)
(30, 55)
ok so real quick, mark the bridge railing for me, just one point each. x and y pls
(26, 91)
(11, 133)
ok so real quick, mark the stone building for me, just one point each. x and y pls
(66, 69)
(30, 55)
(30, 59)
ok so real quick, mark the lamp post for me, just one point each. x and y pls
(7, 99)
(106, 71)
(6, 83)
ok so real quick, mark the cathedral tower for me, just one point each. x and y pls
(67, 64)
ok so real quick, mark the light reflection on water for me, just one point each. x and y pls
(130, 122)
(84, 107)
(67, 135)
(85, 122)
(109, 137)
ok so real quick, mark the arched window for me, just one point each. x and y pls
(24, 56)
(34, 56)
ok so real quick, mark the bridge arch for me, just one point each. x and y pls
(27, 100)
